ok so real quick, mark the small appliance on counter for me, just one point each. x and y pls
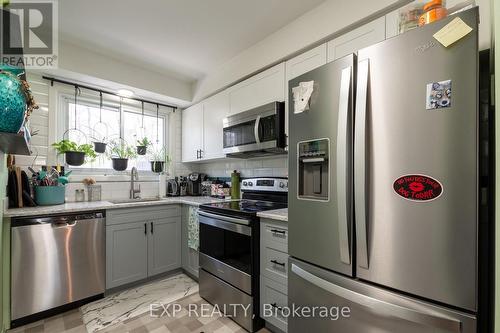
(183, 186)
(194, 183)
(173, 188)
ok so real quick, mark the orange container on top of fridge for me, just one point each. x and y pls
(434, 10)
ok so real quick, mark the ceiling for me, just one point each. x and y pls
(185, 39)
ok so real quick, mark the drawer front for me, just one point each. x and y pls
(141, 214)
(274, 265)
(275, 236)
(273, 298)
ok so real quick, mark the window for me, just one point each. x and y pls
(92, 125)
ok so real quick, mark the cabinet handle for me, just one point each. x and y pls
(151, 227)
(145, 228)
(274, 231)
(201, 154)
(278, 263)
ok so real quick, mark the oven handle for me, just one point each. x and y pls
(239, 226)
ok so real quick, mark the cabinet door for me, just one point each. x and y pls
(263, 88)
(299, 65)
(392, 24)
(163, 245)
(126, 253)
(192, 128)
(366, 35)
(215, 109)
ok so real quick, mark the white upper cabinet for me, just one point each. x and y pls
(215, 109)
(366, 35)
(192, 131)
(202, 129)
(263, 88)
(392, 24)
(306, 62)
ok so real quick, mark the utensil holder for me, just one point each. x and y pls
(50, 195)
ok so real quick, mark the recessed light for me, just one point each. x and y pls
(125, 93)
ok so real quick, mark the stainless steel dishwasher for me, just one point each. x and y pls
(56, 260)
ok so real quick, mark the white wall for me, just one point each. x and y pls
(315, 25)
(255, 167)
(82, 64)
(324, 22)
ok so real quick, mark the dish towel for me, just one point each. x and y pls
(193, 229)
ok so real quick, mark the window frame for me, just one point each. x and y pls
(93, 101)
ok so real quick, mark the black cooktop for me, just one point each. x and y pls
(247, 207)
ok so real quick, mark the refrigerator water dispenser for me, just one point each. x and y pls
(313, 169)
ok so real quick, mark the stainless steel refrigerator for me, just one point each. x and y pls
(383, 186)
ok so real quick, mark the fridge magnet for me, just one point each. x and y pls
(302, 95)
(418, 188)
(438, 95)
(452, 32)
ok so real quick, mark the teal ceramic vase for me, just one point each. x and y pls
(13, 101)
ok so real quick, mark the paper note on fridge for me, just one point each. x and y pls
(301, 96)
(452, 32)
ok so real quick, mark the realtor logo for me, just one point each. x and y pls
(29, 34)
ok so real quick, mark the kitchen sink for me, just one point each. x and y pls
(123, 201)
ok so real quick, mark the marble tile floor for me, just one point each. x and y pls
(72, 322)
(136, 301)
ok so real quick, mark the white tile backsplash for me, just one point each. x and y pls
(256, 167)
(114, 190)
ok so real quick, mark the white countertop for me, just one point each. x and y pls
(277, 214)
(103, 205)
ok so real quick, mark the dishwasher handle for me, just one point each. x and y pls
(58, 220)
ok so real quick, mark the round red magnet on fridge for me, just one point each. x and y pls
(418, 187)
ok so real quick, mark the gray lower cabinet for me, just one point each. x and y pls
(126, 254)
(190, 261)
(274, 272)
(141, 243)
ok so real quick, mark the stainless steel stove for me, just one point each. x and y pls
(229, 248)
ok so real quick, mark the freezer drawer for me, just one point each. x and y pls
(371, 309)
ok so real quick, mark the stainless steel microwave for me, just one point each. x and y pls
(256, 132)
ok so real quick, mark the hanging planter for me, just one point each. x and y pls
(120, 153)
(100, 147)
(74, 154)
(75, 158)
(120, 164)
(142, 146)
(100, 140)
(157, 166)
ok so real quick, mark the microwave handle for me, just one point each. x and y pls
(256, 129)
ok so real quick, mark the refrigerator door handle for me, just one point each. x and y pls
(343, 158)
(424, 317)
(360, 163)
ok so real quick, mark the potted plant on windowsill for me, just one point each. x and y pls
(159, 159)
(142, 146)
(120, 154)
(74, 154)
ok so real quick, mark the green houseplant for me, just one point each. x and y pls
(120, 153)
(159, 158)
(75, 154)
(142, 146)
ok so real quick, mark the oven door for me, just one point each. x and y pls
(226, 249)
(257, 129)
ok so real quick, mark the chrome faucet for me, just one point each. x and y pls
(134, 176)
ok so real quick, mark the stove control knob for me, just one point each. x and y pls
(282, 185)
(250, 184)
(245, 183)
